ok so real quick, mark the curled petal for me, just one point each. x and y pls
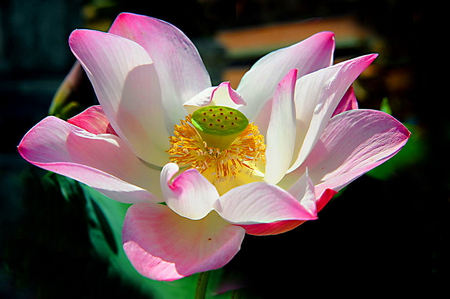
(162, 245)
(225, 95)
(103, 161)
(190, 194)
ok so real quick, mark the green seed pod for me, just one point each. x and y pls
(219, 125)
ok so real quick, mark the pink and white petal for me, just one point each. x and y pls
(162, 245)
(280, 137)
(348, 102)
(180, 69)
(127, 86)
(317, 96)
(222, 95)
(353, 143)
(261, 203)
(103, 162)
(93, 120)
(259, 84)
(189, 194)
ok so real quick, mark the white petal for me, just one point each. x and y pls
(280, 136)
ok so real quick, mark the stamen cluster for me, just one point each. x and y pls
(189, 150)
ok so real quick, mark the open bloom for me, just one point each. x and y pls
(261, 159)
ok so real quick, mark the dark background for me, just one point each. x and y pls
(379, 237)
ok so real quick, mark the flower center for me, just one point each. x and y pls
(219, 142)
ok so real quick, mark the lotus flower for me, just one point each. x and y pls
(205, 165)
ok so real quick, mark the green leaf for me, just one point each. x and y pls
(69, 188)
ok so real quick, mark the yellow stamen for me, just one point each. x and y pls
(245, 155)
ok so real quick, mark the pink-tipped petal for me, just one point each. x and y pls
(162, 245)
(93, 120)
(259, 84)
(273, 228)
(127, 86)
(353, 143)
(348, 102)
(280, 137)
(317, 96)
(189, 194)
(325, 198)
(103, 162)
(261, 203)
(180, 69)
